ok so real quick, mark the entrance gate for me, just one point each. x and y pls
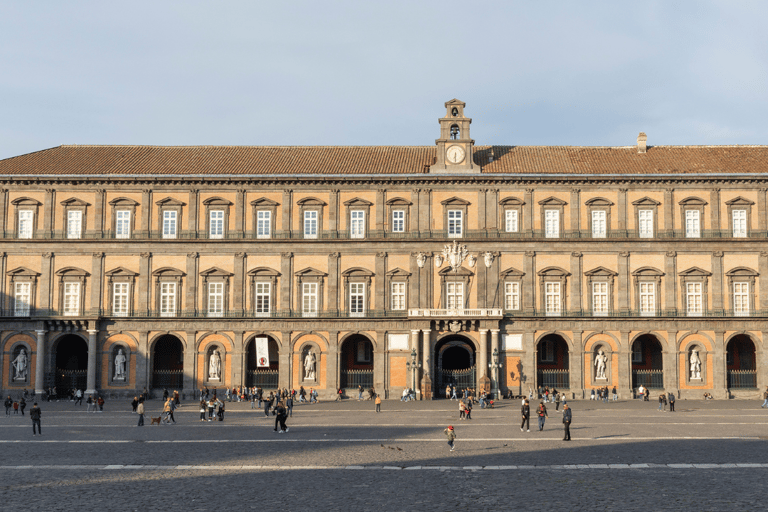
(454, 365)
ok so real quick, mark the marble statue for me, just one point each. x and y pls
(600, 360)
(695, 365)
(214, 366)
(309, 366)
(20, 366)
(120, 365)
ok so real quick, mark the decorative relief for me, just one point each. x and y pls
(670, 254)
(624, 254)
(530, 254)
(145, 255)
(239, 255)
(717, 254)
(286, 254)
(192, 255)
(421, 259)
(488, 258)
(381, 254)
(577, 254)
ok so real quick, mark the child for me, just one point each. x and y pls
(451, 435)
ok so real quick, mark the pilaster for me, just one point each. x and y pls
(425, 211)
(98, 209)
(717, 283)
(625, 368)
(529, 282)
(142, 376)
(528, 377)
(284, 358)
(286, 281)
(49, 207)
(622, 211)
(763, 286)
(529, 211)
(5, 303)
(4, 213)
(46, 281)
(670, 281)
(719, 364)
(482, 359)
(576, 281)
(192, 279)
(670, 362)
(333, 213)
(334, 277)
(492, 209)
(762, 224)
(624, 306)
(426, 354)
(90, 387)
(146, 212)
(97, 279)
(380, 363)
(669, 210)
(192, 218)
(238, 284)
(714, 199)
(381, 198)
(287, 209)
(238, 361)
(40, 364)
(575, 217)
(145, 282)
(414, 213)
(190, 352)
(380, 281)
(240, 214)
(481, 209)
(332, 364)
(576, 360)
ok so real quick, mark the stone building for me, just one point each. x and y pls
(498, 267)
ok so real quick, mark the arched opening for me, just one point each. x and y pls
(168, 363)
(553, 363)
(264, 377)
(740, 362)
(454, 364)
(71, 364)
(647, 363)
(356, 362)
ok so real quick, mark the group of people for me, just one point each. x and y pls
(602, 394)
(15, 405)
(664, 398)
(542, 415)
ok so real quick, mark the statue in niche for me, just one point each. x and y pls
(600, 363)
(120, 365)
(214, 366)
(309, 366)
(695, 365)
(20, 366)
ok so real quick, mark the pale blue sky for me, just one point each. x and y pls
(378, 73)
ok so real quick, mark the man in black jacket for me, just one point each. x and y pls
(282, 415)
(525, 410)
(671, 397)
(34, 414)
(567, 417)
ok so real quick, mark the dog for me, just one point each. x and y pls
(156, 420)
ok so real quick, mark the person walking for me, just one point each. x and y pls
(79, 397)
(451, 435)
(453, 393)
(267, 404)
(22, 405)
(541, 410)
(765, 399)
(557, 401)
(462, 409)
(140, 411)
(567, 418)
(378, 402)
(469, 409)
(671, 402)
(289, 405)
(211, 405)
(662, 400)
(34, 415)
(615, 395)
(202, 409)
(280, 418)
(8, 404)
(525, 411)
(359, 392)
(173, 406)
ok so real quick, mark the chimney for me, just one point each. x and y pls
(641, 142)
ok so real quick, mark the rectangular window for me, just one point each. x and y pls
(455, 295)
(357, 224)
(693, 299)
(510, 225)
(74, 224)
(552, 224)
(363, 352)
(741, 299)
(739, 223)
(598, 224)
(512, 296)
(123, 224)
(692, 227)
(398, 297)
(398, 221)
(25, 223)
(169, 224)
(547, 354)
(120, 299)
(216, 229)
(216, 299)
(600, 299)
(262, 305)
(23, 296)
(647, 299)
(637, 352)
(552, 299)
(71, 299)
(309, 299)
(455, 223)
(167, 299)
(645, 221)
(264, 224)
(310, 224)
(357, 299)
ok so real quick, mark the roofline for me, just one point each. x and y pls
(391, 176)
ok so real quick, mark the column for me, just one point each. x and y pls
(670, 362)
(575, 217)
(496, 349)
(286, 280)
(287, 206)
(714, 199)
(414, 213)
(624, 283)
(481, 276)
(481, 209)
(670, 281)
(333, 281)
(91, 378)
(669, 211)
(414, 376)
(719, 375)
(98, 224)
(49, 206)
(762, 225)
(576, 281)
(529, 282)
(381, 198)
(425, 211)
(146, 212)
(238, 284)
(380, 281)
(240, 214)
(192, 221)
(333, 214)
(97, 278)
(576, 361)
(528, 215)
(482, 360)
(717, 283)
(46, 281)
(192, 278)
(492, 209)
(145, 283)
(426, 354)
(625, 367)
(622, 212)
(40, 365)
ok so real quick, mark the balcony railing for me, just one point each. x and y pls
(455, 313)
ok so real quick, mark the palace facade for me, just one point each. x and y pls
(497, 267)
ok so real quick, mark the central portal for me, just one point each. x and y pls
(454, 365)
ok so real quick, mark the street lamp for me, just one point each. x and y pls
(413, 365)
(495, 366)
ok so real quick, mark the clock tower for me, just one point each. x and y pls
(455, 147)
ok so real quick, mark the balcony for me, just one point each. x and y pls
(456, 313)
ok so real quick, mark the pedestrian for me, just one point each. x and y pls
(451, 435)
(469, 409)
(15, 407)
(135, 403)
(202, 409)
(140, 411)
(359, 392)
(253, 400)
(378, 403)
(79, 397)
(671, 402)
(615, 395)
(8, 404)
(765, 398)
(557, 401)
(525, 411)
(280, 418)
(541, 410)
(267, 404)
(101, 404)
(567, 418)
(211, 405)
(220, 412)
(172, 407)
(662, 399)
(88, 403)
(448, 391)
(289, 405)
(462, 409)
(34, 414)
(22, 405)
(453, 393)
(592, 395)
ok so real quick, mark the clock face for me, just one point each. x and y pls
(455, 154)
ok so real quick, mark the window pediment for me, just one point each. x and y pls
(357, 201)
(310, 272)
(123, 201)
(511, 201)
(601, 271)
(398, 272)
(739, 201)
(447, 271)
(646, 201)
(455, 201)
(216, 272)
(553, 272)
(73, 201)
(26, 201)
(264, 272)
(168, 272)
(22, 272)
(552, 201)
(121, 272)
(169, 201)
(695, 272)
(648, 272)
(599, 201)
(741, 272)
(217, 201)
(357, 272)
(512, 272)
(264, 202)
(398, 201)
(693, 201)
(72, 272)
(310, 201)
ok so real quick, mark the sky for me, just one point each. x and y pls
(378, 73)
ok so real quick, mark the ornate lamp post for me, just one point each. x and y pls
(495, 366)
(413, 365)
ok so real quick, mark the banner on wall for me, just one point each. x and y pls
(262, 352)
